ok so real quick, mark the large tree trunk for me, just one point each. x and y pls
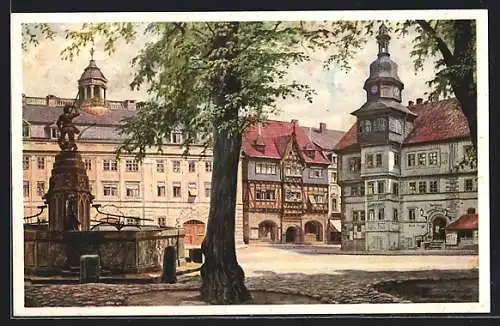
(222, 277)
(463, 85)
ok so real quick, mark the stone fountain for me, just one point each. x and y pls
(58, 248)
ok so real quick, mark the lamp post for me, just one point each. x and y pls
(426, 223)
(178, 225)
(41, 208)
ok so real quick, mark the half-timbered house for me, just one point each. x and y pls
(285, 184)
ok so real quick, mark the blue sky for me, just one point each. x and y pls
(339, 92)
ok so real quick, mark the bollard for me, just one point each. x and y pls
(196, 255)
(169, 265)
(89, 268)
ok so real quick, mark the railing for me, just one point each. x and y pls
(27, 219)
(118, 221)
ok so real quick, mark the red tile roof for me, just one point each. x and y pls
(465, 222)
(276, 136)
(435, 121)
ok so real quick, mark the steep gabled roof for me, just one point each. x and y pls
(277, 136)
(326, 139)
(436, 121)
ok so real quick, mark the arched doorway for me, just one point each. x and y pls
(194, 232)
(268, 231)
(438, 229)
(291, 235)
(313, 231)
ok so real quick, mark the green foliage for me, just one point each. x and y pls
(32, 33)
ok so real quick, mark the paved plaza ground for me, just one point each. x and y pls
(292, 271)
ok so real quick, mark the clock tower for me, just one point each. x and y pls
(383, 120)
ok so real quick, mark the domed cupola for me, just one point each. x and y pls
(383, 81)
(92, 87)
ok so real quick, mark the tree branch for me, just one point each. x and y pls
(210, 28)
(443, 48)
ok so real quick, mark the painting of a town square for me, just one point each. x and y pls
(325, 162)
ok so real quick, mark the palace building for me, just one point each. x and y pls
(166, 188)
(286, 183)
(397, 168)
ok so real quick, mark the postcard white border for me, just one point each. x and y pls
(481, 17)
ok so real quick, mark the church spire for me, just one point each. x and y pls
(383, 39)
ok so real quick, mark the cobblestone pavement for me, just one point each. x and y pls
(329, 278)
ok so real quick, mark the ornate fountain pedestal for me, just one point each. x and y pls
(69, 196)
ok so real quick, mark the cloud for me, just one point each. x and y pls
(338, 92)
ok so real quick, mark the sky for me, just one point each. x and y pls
(338, 92)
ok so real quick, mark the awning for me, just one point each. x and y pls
(465, 222)
(335, 225)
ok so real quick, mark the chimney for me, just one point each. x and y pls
(322, 127)
(419, 100)
(410, 104)
(295, 121)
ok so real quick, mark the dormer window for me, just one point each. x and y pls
(26, 130)
(176, 137)
(54, 133)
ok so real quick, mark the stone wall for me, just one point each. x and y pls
(119, 251)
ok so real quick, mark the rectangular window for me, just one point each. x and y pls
(26, 130)
(160, 189)
(109, 165)
(160, 166)
(334, 177)
(412, 187)
(369, 160)
(397, 160)
(26, 162)
(334, 204)
(265, 168)
(371, 188)
(381, 215)
(362, 189)
(40, 188)
(176, 137)
(334, 159)
(395, 214)
(317, 198)
(131, 165)
(354, 190)
(208, 189)
(411, 160)
(422, 187)
(88, 164)
(293, 170)
(355, 216)
(433, 186)
(176, 166)
(54, 133)
(208, 166)
(381, 187)
(192, 166)
(422, 159)
(176, 189)
(469, 185)
(316, 173)
(162, 221)
(110, 189)
(354, 164)
(192, 189)
(378, 160)
(433, 158)
(411, 214)
(362, 215)
(371, 215)
(26, 188)
(265, 195)
(293, 196)
(40, 160)
(132, 189)
(395, 188)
